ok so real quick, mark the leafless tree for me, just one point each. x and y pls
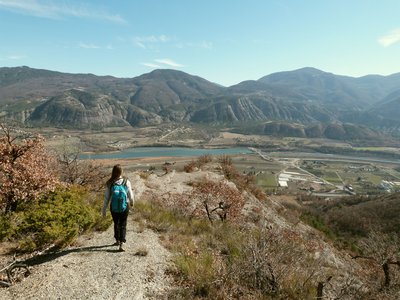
(74, 170)
(383, 249)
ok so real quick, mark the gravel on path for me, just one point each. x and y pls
(95, 269)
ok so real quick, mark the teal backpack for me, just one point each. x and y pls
(119, 197)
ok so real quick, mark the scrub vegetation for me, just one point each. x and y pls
(46, 200)
(229, 240)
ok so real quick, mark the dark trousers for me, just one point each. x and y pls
(120, 225)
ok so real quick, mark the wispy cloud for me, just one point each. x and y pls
(88, 46)
(390, 38)
(202, 45)
(206, 45)
(94, 46)
(148, 42)
(155, 42)
(151, 65)
(52, 10)
(169, 63)
(15, 57)
(163, 63)
(12, 57)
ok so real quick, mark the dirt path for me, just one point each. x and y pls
(95, 269)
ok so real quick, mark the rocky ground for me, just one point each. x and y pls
(95, 269)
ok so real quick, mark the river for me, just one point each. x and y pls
(163, 152)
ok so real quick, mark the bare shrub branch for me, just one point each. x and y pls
(85, 173)
(217, 200)
(27, 170)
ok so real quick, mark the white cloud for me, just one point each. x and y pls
(12, 57)
(391, 38)
(168, 62)
(154, 42)
(151, 65)
(204, 45)
(51, 10)
(141, 45)
(88, 46)
(94, 46)
(16, 57)
(163, 63)
(149, 42)
(152, 39)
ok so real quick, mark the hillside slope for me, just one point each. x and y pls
(307, 96)
(94, 269)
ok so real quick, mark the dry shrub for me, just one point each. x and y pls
(27, 169)
(203, 160)
(217, 200)
(383, 249)
(197, 164)
(225, 160)
(87, 173)
(266, 260)
(144, 174)
(229, 171)
(190, 167)
(242, 181)
(227, 261)
(257, 192)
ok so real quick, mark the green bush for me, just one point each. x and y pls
(318, 224)
(4, 226)
(56, 219)
(199, 270)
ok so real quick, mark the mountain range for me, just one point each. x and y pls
(305, 102)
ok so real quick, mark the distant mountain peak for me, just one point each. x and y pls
(306, 95)
(165, 74)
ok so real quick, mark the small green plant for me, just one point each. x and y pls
(5, 225)
(56, 219)
(199, 270)
(142, 252)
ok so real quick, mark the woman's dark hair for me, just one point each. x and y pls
(115, 174)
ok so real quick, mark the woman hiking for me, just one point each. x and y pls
(119, 196)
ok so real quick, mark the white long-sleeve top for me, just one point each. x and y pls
(107, 196)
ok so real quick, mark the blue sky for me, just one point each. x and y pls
(224, 41)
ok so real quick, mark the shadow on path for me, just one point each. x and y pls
(43, 258)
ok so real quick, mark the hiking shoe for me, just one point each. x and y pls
(121, 246)
(116, 243)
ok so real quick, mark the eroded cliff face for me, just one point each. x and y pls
(81, 109)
